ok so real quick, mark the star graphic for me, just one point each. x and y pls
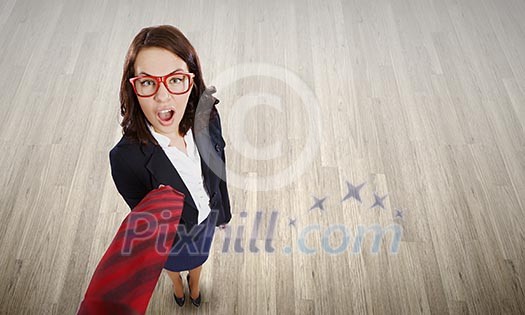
(291, 221)
(353, 191)
(318, 203)
(398, 214)
(379, 201)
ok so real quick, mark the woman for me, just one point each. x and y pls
(160, 89)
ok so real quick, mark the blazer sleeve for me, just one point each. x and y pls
(128, 183)
(223, 187)
(225, 199)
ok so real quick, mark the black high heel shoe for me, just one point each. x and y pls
(197, 301)
(180, 301)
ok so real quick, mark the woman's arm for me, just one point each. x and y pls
(223, 186)
(128, 183)
(225, 198)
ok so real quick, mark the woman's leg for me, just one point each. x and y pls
(178, 289)
(195, 275)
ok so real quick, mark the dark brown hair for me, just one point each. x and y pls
(170, 38)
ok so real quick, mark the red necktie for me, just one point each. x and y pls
(127, 274)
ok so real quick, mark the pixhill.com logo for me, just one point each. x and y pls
(262, 234)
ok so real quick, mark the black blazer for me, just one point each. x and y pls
(137, 169)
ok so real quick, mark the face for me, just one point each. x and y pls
(157, 61)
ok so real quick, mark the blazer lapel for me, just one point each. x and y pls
(204, 166)
(161, 168)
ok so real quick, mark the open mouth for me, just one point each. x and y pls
(166, 116)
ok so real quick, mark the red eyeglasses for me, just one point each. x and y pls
(175, 82)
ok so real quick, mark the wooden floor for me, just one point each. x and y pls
(421, 101)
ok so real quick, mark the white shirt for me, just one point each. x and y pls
(189, 169)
